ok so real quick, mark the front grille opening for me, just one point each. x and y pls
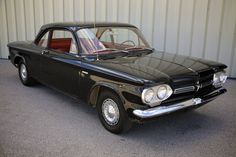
(184, 89)
(206, 78)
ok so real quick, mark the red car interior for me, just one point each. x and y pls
(60, 44)
(64, 44)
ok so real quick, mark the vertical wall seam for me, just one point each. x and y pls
(117, 10)
(105, 10)
(141, 15)
(84, 10)
(53, 16)
(73, 10)
(24, 19)
(153, 19)
(63, 10)
(129, 11)
(192, 28)
(43, 12)
(206, 28)
(34, 30)
(233, 51)
(34, 17)
(7, 20)
(2, 31)
(95, 9)
(178, 29)
(166, 21)
(14, 8)
(129, 1)
(220, 31)
(73, 7)
(5, 5)
(94, 3)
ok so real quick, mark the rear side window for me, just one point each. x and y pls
(62, 41)
(43, 42)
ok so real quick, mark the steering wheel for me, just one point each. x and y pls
(126, 41)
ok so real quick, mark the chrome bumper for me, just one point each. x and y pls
(161, 110)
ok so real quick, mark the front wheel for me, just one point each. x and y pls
(24, 75)
(112, 113)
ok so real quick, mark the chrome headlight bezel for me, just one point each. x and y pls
(146, 95)
(160, 93)
(219, 78)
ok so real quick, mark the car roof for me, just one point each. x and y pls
(78, 25)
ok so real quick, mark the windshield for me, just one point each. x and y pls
(102, 40)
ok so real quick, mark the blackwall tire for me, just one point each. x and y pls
(24, 75)
(112, 113)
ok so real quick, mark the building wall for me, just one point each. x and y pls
(199, 28)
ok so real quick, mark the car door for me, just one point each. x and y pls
(59, 64)
(37, 48)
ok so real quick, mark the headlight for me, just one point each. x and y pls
(147, 95)
(219, 78)
(223, 77)
(155, 95)
(164, 92)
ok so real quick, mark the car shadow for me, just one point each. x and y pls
(189, 126)
(75, 103)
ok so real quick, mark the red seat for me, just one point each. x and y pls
(60, 44)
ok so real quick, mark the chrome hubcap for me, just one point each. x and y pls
(110, 111)
(23, 72)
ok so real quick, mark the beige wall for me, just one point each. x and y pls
(200, 28)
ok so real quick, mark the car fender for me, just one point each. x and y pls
(17, 58)
(96, 89)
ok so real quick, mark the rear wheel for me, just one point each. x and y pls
(24, 75)
(112, 113)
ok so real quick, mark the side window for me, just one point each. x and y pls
(63, 41)
(89, 41)
(44, 40)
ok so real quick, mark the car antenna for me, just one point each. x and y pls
(94, 25)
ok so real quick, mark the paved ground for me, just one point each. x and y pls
(38, 121)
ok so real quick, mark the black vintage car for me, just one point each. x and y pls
(113, 68)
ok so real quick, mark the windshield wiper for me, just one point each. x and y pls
(106, 49)
(140, 51)
(138, 47)
(133, 47)
(109, 49)
(114, 54)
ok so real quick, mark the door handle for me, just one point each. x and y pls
(43, 52)
(84, 72)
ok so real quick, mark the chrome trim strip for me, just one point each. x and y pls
(157, 111)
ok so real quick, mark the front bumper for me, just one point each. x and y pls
(161, 110)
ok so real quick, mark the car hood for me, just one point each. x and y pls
(159, 66)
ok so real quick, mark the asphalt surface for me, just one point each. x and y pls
(38, 121)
